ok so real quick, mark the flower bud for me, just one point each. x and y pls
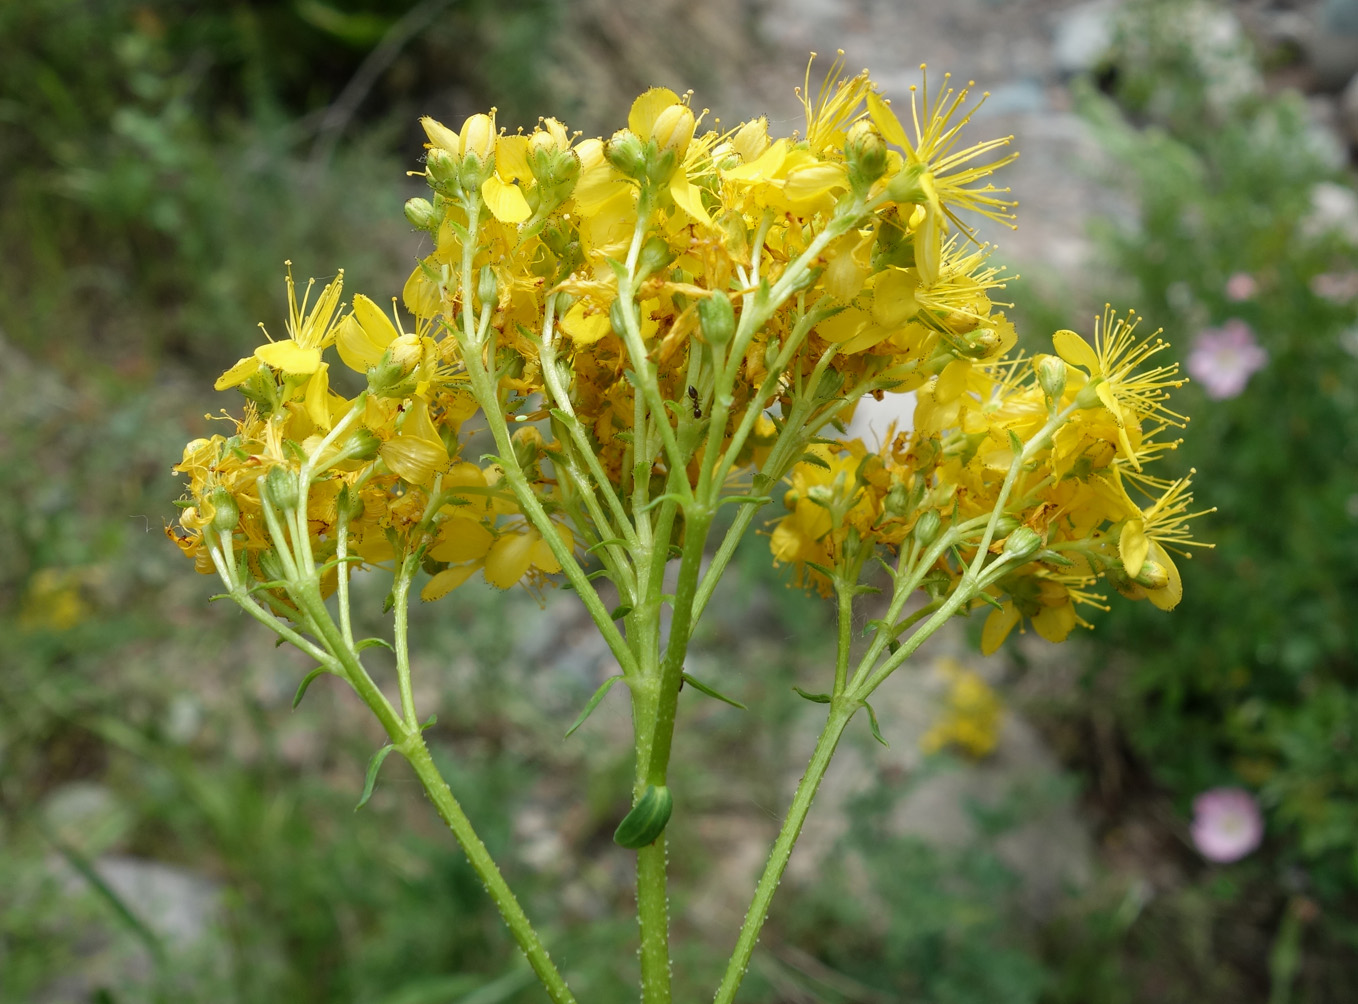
(441, 166)
(477, 137)
(487, 287)
(350, 504)
(927, 527)
(655, 255)
(420, 213)
(225, 511)
(1022, 544)
(897, 502)
(1051, 376)
(673, 129)
(865, 151)
(626, 153)
(717, 318)
(1006, 525)
(280, 488)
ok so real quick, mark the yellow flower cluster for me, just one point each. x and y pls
(1090, 414)
(652, 313)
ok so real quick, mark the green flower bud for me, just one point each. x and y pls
(421, 214)
(1006, 525)
(655, 255)
(627, 153)
(225, 511)
(350, 503)
(717, 318)
(1051, 376)
(897, 501)
(865, 151)
(280, 488)
(441, 167)
(487, 287)
(927, 527)
(1022, 544)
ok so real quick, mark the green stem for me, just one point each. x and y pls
(653, 922)
(400, 637)
(841, 711)
(417, 753)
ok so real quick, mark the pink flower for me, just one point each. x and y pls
(1241, 286)
(1223, 359)
(1227, 824)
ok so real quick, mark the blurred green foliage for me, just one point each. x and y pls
(1253, 679)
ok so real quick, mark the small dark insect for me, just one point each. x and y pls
(693, 396)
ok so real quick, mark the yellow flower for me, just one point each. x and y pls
(1145, 542)
(1112, 363)
(972, 717)
(308, 333)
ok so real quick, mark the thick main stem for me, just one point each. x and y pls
(841, 712)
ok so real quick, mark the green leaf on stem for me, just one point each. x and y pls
(703, 688)
(374, 764)
(429, 722)
(757, 500)
(370, 642)
(306, 682)
(817, 698)
(647, 820)
(620, 611)
(872, 724)
(813, 460)
(609, 542)
(604, 688)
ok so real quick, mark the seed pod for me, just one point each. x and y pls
(1022, 543)
(644, 824)
(927, 527)
(225, 511)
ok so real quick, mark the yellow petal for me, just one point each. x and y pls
(505, 202)
(583, 327)
(358, 351)
(997, 628)
(647, 108)
(461, 540)
(1055, 623)
(318, 397)
(238, 374)
(421, 295)
(809, 183)
(445, 582)
(1167, 598)
(510, 558)
(887, 122)
(441, 136)
(415, 460)
(290, 357)
(1076, 351)
(511, 158)
(376, 325)
(688, 198)
(1133, 546)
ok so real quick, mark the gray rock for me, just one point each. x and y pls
(1083, 36)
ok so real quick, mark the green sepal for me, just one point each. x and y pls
(374, 764)
(647, 820)
(703, 688)
(306, 682)
(817, 698)
(872, 724)
(370, 642)
(604, 688)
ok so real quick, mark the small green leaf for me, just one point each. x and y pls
(756, 500)
(872, 723)
(370, 642)
(817, 698)
(647, 820)
(374, 764)
(813, 460)
(604, 688)
(609, 542)
(701, 687)
(992, 600)
(428, 722)
(1015, 443)
(667, 497)
(620, 611)
(306, 682)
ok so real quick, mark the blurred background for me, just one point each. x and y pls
(1163, 809)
